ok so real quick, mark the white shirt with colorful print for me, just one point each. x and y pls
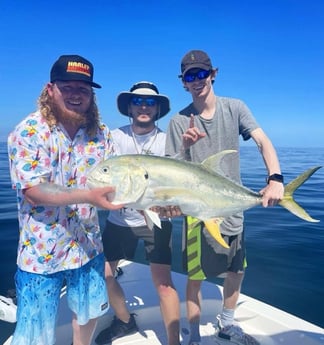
(55, 238)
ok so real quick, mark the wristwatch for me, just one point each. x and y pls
(275, 177)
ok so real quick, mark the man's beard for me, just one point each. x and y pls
(142, 124)
(68, 117)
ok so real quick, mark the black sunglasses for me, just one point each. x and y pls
(139, 101)
(201, 74)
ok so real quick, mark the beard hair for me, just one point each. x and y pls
(68, 117)
(143, 124)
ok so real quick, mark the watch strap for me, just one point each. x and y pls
(275, 177)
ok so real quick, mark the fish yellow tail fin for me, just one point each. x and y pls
(288, 201)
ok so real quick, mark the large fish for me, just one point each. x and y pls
(199, 190)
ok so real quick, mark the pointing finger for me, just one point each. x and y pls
(192, 121)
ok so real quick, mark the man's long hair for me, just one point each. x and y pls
(92, 116)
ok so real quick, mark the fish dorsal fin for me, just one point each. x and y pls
(212, 163)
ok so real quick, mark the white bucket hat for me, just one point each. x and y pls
(143, 88)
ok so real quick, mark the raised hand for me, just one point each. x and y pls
(192, 134)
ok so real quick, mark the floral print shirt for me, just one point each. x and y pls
(55, 238)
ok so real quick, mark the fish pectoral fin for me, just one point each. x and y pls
(213, 227)
(152, 218)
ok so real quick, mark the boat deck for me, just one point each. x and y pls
(269, 325)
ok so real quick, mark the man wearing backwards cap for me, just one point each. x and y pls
(208, 125)
(143, 105)
(51, 152)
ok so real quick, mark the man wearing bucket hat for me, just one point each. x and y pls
(51, 152)
(208, 125)
(143, 105)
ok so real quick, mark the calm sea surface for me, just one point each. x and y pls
(285, 254)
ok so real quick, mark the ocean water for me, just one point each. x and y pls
(285, 254)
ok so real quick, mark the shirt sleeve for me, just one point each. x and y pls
(247, 122)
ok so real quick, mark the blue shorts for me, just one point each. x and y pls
(38, 298)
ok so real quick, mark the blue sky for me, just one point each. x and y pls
(270, 54)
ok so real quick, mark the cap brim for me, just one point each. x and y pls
(196, 65)
(77, 79)
(95, 85)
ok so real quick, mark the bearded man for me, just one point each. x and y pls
(51, 152)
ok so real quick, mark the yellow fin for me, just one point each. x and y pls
(212, 225)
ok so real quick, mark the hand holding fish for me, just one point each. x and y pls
(272, 193)
(101, 197)
(192, 134)
(167, 211)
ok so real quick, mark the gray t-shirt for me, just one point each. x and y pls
(232, 118)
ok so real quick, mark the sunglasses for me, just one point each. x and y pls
(201, 74)
(139, 101)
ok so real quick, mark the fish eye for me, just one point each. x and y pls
(105, 169)
(146, 176)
